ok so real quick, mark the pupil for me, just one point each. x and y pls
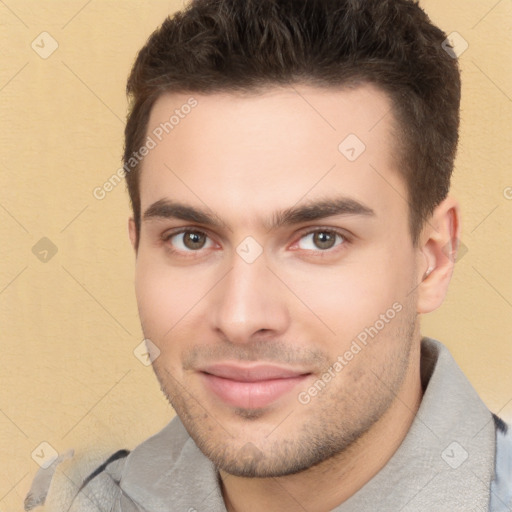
(324, 240)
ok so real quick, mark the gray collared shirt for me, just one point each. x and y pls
(447, 461)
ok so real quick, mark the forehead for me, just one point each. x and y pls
(243, 154)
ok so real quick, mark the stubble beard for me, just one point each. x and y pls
(339, 420)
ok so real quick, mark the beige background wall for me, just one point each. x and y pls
(69, 324)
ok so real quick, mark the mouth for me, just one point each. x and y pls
(250, 387)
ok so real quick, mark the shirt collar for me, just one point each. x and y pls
(446, 460)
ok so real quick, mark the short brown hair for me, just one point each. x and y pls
(249, 45)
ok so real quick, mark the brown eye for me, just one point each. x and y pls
(187, 241)
(320, 240)
(324, 239)
(194, 240)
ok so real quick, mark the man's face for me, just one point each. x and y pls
(275, 271)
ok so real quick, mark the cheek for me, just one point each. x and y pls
(164, 296)
(164, 310)
(354, 294)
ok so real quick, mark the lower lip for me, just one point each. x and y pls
(250, 395)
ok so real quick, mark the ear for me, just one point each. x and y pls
(439, 242)
(132, 231)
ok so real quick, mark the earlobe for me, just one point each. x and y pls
(439, 244)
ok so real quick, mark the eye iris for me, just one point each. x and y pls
(324, 239)
(194, 240)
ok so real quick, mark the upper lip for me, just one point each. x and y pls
(256, 373)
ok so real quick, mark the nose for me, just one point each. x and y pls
(249, 301)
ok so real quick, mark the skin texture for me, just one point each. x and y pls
(303, 301)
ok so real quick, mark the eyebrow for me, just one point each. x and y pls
(311, 211)
(319, 209)
(166, 209)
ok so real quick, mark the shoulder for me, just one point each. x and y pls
(92, 481)
(167, 467)
(501, 486)
(77, 483)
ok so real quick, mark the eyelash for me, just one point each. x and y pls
(318, 253)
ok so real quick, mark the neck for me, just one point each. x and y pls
(339, 477)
